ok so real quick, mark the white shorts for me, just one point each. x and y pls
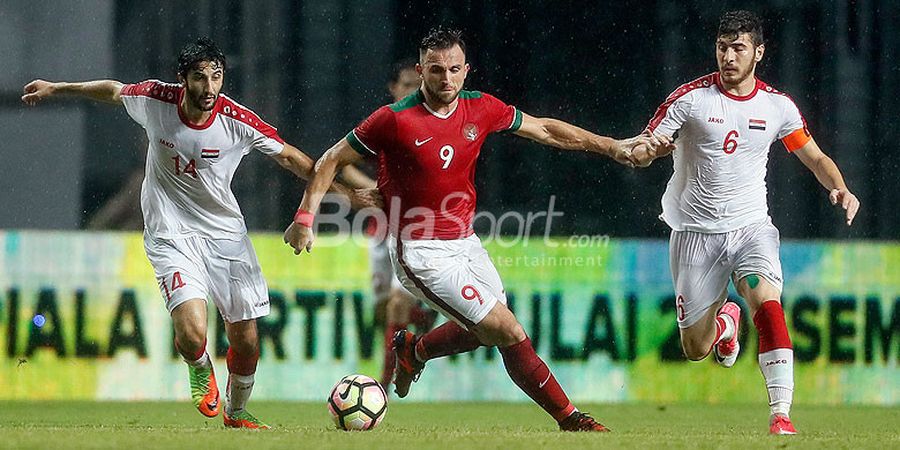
(702, 264)
(196, 267)
(383, 278)
(456, 277)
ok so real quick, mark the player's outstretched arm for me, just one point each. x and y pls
(299, 234)
(107, 91)
(295, 161)
(300, 164)
(830, 177)
(565, 136)
(356, 179)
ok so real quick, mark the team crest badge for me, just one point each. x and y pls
(470, 131)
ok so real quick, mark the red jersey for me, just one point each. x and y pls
(426, 160)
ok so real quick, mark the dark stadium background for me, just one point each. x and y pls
(314, 69)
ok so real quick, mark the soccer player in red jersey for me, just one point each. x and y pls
(194, 235)
(427, 145)
(715, 204)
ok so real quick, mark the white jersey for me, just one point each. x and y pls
(722, 148)
(187, 184)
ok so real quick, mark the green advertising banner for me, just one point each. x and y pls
(600, 311)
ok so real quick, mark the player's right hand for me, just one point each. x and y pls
(36, 91)
(299, 237)
(847, 200)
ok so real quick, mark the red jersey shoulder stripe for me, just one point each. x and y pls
(771, 90)
(797, 138)
(702, 82)
(234, 110)
(155, 89)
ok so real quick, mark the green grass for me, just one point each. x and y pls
(145, 425)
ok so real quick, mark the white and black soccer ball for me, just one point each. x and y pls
(357, 403)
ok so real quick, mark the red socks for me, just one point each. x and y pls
(769, 321)
(241, 364)
(523, 365)
(776, 358)
(418, 317)
(530, 373)
(447, 339)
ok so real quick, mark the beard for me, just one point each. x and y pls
(199, 101)
(444, 97)
(738, 76)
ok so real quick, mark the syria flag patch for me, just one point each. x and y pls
(758, 124)
(209, 153)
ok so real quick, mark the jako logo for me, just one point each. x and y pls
(166, 143)
(715, 120)
(777, 361)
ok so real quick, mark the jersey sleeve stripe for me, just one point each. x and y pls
(357, 144)
(796, 140)
(155, 89)
(236, 111)
(516, 121)
(702, 82)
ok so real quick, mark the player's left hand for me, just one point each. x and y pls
(847, 200)
(299, 237)
(36, 91)
(366, 198)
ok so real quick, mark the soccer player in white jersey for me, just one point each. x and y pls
(715, 204)
(194, 234)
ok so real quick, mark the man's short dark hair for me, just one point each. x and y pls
(441, 38)
(399, 67)
(733, 23)
(203, 49)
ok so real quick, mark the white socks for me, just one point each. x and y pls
(238, 392)
(777, 367)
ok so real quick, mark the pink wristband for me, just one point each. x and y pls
(304, 217)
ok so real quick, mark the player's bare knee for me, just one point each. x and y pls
(500, 327)
(190, 339)
(695, 348)
(694, 353)
(757, 290)
(515, 334)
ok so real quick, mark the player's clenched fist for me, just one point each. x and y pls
(847, 200)
(36, 91)
(299, 237)
(659, 145)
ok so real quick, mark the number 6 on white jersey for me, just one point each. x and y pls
(446, 155)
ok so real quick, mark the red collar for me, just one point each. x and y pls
(740, 98)
(187, 122)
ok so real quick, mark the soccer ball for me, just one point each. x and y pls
(357, 403)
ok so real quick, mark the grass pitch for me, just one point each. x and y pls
(145, 425)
